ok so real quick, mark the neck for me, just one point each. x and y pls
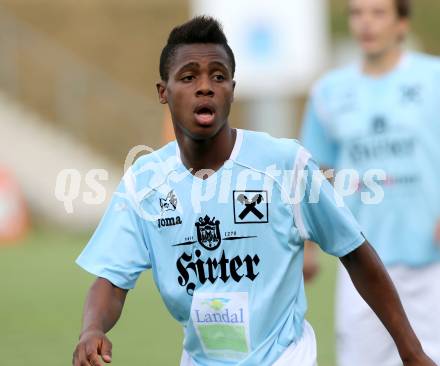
(380, 64)
(206, 154)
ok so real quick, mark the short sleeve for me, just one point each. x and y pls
(316, 138)
(117, 250)
(320, 215)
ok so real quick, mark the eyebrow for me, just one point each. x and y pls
(196, 65)
(189, 65)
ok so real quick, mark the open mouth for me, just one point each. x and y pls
(204, 114)
(367, 38)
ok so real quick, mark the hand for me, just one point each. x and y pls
(311, 264)
(420, 360)
(92, 344)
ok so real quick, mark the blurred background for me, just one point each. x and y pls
(77, 92)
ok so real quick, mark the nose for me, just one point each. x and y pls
(367, 20)
(204, 87)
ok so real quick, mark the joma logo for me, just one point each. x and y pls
(169, 221)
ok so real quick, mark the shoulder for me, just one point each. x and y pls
(425, 61)
(260, 151)
(331, 90)
(335, 79)
(163, 159)
(423, 70)
(421, 67)
(152, 170)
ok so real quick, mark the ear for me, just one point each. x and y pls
(404, 28)
(233, 90)
(162, 92)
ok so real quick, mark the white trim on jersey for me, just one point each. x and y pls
(237, 145)
(301, 161)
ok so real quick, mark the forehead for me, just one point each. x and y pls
(388, 4)
(199, 53)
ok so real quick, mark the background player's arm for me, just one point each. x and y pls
(311, 261)
(437, 232)
(373, 283)
(102, 310)
(319, 141)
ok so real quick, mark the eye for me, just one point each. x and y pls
(379, 12)
(354, 12)
(219, 77)
(187, 78)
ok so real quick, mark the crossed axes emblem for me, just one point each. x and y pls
(250, 205)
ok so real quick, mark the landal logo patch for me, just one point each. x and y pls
(221, 321)
(250, 207)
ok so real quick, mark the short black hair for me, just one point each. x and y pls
(201, 29)
(403, 8)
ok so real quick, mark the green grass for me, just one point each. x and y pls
(42, 293)
(320, 296)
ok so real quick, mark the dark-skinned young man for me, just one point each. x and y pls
(223, 231)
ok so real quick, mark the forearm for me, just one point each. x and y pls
(103, 306)
(311, 265)
(373, 283)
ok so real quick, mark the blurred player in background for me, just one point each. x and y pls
(228, 264)
(383, 113)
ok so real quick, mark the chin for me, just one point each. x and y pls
(200, 133)
(369, 48)
(373, 52)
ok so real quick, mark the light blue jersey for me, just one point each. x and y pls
(226, 252)
(391, 123)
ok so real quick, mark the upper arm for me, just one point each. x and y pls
(118, 250)
(361, 257)
(353, 256)
(103, 285)
(323, 218)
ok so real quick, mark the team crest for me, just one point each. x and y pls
(169, 203)
(208, 233)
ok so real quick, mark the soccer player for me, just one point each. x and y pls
(383, 113)
(222, 228)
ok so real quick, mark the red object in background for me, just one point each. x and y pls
(14, 220)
